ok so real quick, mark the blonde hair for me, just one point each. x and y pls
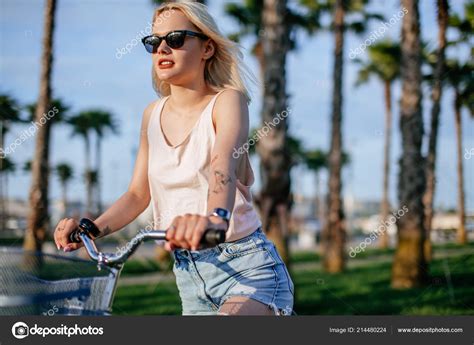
(225, 69)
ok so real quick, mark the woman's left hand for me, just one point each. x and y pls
(186, 231)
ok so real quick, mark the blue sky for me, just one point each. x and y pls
(87, 73)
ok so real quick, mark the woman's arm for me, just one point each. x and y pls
(232, 125)
(129, 206)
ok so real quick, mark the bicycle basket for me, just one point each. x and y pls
(33, 283)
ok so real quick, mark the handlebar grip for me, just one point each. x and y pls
(74, 236)
(212, 237)
(86, 226)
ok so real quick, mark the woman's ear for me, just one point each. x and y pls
(209, 49)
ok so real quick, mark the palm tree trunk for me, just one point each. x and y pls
(462, 235)
(99, 182)
(384, 239)
(64, 198)
(409, 266)
(88, 177)
(258, 52)
(2, 182)
(320, 208)
(334, 235)
(2, 200)
(436, 94)
(6, 197)
(275, 160)
(319, 203)
(38, 199)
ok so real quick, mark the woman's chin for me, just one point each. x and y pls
(167, 76)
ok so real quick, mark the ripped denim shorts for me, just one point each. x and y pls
(250, 266)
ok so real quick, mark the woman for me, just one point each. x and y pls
(186, 168)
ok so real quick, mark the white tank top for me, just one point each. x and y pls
(178, 176)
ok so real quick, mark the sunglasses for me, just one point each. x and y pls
(174, 39)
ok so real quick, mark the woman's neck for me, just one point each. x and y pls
(187, 97)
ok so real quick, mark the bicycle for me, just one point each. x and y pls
(29, 284)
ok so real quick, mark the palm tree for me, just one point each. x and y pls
(334, 233)
(92, 177)
(83, 124)
(103, 121)
(316, 161)
(38, 218)
(273, 24)
(461, 78)
(275, 158)
(464, 26)
(9, 113)
(249, 17)
(333, 236)
(60, 111)
(384, 63)
(436, 94)
(57, 106)
(297, 156)
(7, 165)
(64, 172)
(27, 166)
(409, 266)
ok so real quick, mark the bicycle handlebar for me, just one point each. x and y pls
(211, 238)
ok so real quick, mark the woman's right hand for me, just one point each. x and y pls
(61, 234)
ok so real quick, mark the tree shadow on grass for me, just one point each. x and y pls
(366, 291)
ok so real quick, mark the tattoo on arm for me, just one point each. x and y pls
(221, 180)
(105, 231)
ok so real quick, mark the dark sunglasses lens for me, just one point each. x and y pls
(151, 44)
(175, 39)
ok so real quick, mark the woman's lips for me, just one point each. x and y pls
(165, 64)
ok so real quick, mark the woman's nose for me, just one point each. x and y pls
(163, 48)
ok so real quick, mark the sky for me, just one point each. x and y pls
(90, 72)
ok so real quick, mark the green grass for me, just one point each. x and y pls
(366, 291)
(158, 299)
(312, 256)
(363, 290)
(143, 266)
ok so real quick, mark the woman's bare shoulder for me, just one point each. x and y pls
(231, 101)
(147, 115)
(231, 97)
(149, 109)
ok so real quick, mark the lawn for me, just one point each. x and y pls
(364, 290)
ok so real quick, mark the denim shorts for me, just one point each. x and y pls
(250, 266)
